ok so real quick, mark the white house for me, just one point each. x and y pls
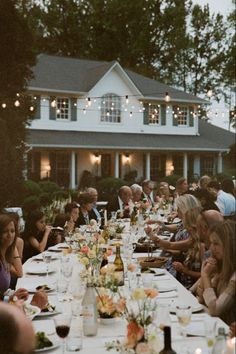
(100, 117)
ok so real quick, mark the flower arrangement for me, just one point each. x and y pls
(112, 229)
(107, 306)
(90, 250)
(139, 317)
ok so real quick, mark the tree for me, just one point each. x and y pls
(16, 60)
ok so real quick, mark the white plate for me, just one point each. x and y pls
(158, 271)
(38, 269)
(49, 313)
(167, 295)
(195, 308)
(165, 288)
(32, 289)
(31, 311)
(47, 349)
(39, 257)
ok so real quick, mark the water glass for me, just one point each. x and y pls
(75, 338)
(210, 333)
(161, 316)
(184, 313)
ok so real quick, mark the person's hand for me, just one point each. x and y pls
(148, 230)
(209, 266)
(40, 299)
(179, 267)
(20, 294)
(48, 229)
(232, 329)
(163, 244)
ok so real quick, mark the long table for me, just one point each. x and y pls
(118, 329)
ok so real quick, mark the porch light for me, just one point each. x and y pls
(167, 97)
(47, 169)
(96, 158)
(127, 158)
(53, 104)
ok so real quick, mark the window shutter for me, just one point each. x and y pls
(37, 111)
(73, 109)
(52, 110)
(145, 114)
(191, 117)
(163, 114)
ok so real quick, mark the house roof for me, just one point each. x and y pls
(211, 139)
(78, 76)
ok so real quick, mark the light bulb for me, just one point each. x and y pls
(17, 103)
(167, 97)
(4, 105)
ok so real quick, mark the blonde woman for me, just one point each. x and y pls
(190, 270)
(217, 288)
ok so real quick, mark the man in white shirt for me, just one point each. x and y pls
(225, 201)
(148, 187)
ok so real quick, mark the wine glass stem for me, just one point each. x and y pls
(63, 346)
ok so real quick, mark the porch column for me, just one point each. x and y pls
(116, 165)
(148, 165)
(185, 167)
(219, 163)
(72, 170)
(196, 166)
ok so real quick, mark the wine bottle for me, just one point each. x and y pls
(119, 266)
(133, 217)
(167, 342)
(89, 310)
(104, 259)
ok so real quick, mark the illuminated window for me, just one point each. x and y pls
(111, 108)
(154, 114)
(62, 108)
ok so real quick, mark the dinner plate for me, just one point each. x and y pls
(47, 349)
(158, 271)
(39, 257)
(165, 288)
(48, 313)
(32, 289)
(31, 311)
(166, 295)
(39, 269)
(195, 308)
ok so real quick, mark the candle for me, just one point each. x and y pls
(230, 348)
(198, 351)
(105, 217)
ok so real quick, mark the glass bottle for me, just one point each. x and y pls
(133, 216)
(119, 266)
(104, 259)
(220, 344)
(167, 342)
(89, 310)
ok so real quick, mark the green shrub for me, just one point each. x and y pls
(30, 203)
(171, 179)
(108, 186)
(45, 199)
(61, 195)
(48, 187)
(31, 188)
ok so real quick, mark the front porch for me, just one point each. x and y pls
(66, 166)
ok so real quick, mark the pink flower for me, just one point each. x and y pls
(142, 348)
(84, 249)
(134, 334)
(131, 267)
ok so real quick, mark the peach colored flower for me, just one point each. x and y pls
(143, 348)
(151, 293)
(134, 334)
(131, 267)
(84, 249)
(120, 306)
(138, 294)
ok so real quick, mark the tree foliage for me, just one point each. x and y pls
(16, 59)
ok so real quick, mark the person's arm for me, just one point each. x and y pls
(40, 246)
(182, 245)
(20, 246)
(181, 268)
(16, 264)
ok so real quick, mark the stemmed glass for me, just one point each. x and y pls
(47, 257)
(62, 324)
(184, 314)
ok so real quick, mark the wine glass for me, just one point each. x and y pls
(210, 331)
(183, 313)
(47, 257)
(62, 325)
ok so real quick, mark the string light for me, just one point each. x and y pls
(209, 93)
(17, 103)
(4, 105)
(89, 101)
(127, 99)
(167, 97)
(131, 114)
(31, 108)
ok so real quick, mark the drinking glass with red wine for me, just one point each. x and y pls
(62, 323)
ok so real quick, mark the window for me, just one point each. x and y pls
(181, 114)
(111, 108)
(154, 114)
(207, 166)
(155, 167)
(62, 108)
(60, 168)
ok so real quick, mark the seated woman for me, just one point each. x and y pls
(37, 235)
(86, 204)
(217, 286)
(190, 269)
(9, 256)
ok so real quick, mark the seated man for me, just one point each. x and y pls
(16, 331)
(122, 202)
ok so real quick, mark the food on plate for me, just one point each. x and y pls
(44, 287)
(42, 341)
(48, 308)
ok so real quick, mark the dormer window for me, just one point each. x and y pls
(111, 108)
(62, 108)
(183, 116)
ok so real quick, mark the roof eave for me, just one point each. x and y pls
(47, 90)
